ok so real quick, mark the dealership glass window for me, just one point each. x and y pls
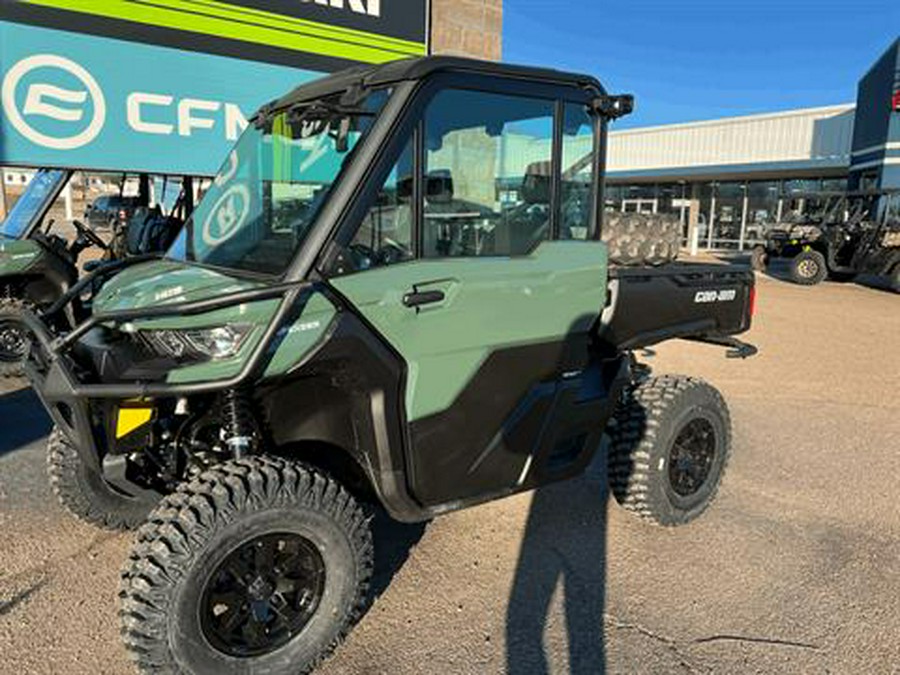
(802, 185)
(834, 184)
(707, 194)
(674, 199)
(473, 142)
(613, 195)
(640, 198)
(576, 199)
(729, 215)
(762, 209)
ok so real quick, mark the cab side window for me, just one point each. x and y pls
(487, 174)
(576, 186)
(385, 235)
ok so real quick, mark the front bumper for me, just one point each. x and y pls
(52, 376)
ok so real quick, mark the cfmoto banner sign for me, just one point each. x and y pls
(74, 101)
(168, 86)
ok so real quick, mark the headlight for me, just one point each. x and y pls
(220, 342)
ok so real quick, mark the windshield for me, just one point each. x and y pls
(43, 187)
(266, 197)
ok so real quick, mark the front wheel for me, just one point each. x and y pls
(13, 337)
(257, 565)
(808, 268)
(85, 494)
(670, 445)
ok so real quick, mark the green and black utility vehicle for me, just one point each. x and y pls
(837, 236)
(39, 264)
(395, 295)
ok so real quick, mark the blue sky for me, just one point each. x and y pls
(701, 59)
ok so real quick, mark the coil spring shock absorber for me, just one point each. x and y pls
(239, 422)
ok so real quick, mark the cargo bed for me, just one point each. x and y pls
(647, 305)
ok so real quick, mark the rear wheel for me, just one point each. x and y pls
(84, 493)
(808, 268)
(642, 239)
(257, 565)
(670, 446)
(13, 337)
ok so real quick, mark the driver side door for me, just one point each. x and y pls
(474, 280)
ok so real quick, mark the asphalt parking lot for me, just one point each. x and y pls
(795, 569)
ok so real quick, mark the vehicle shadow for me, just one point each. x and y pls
(564, 545)
(22, 420)
(394, 541)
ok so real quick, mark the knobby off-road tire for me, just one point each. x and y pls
(12, 362)
(759, 258)
(670, 447)
(177, 600)
(808, 268)
(85, 494)
(641, 239)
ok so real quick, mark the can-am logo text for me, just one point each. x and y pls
(370, 7)
(45, 101)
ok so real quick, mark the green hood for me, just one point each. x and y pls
(163, 283)
(166, 282)
(17, 255)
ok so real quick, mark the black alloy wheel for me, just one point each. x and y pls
(669, 449)
(262, 595)
(13, 340)
(257, 565)
(692, 457)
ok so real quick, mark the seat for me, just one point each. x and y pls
(528, 223)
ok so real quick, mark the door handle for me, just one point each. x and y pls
(420, 298)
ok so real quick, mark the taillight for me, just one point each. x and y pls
(753, 301)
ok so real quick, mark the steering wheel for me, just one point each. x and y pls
(87, 233)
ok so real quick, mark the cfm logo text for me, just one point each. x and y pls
(56, 103)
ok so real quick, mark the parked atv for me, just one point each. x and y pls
(352, 319)
(849, 234)
(38, 265)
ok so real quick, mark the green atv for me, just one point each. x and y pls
(38, 266)
(396, 295)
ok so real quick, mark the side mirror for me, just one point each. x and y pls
(614, 107)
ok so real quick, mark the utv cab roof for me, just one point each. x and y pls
(373, 76)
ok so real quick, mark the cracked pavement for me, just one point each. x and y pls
(795, 569)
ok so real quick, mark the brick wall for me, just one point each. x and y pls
(467, 28)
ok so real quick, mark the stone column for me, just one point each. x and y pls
(472, 28)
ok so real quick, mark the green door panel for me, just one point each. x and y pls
(489, 304)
